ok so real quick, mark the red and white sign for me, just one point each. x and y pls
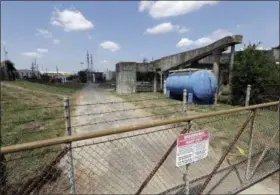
(192, 147)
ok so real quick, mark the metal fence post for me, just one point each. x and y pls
(184, 103)
(247, 173)
(248, 92)
(187, 174)
(69, 153)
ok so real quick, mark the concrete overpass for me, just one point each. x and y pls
(126, 71)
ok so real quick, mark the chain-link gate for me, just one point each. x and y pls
(140, 159)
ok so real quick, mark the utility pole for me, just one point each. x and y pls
(32, 68)
(87, 67)
(91, 62)
(56, 71)
(91, 68)
(87, 60)
(5, 54)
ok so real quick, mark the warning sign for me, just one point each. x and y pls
(192, 147)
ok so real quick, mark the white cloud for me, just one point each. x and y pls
(160, 28)
(110, 45)
(32, 54)
(42, 50)
(220, 33)
(184, 42)
(261, 47)
(145, 5)
(165, 28)
(44, 33)
(163, 9)
(56, 41)
(103, 61)
(203, 41)
(70, 20)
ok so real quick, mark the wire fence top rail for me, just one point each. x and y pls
(110, 131)
(119, 102)
(123, 110)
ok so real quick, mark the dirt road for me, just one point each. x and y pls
(121, 166)
(110, 165)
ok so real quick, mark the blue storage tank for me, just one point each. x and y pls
(202, 84)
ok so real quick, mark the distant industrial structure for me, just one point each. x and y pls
(211, 57)
(208, 57)
(26, 73)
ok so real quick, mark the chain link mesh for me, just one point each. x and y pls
(120, 163)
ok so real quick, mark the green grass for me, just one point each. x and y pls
(222, 128)
(33, 113)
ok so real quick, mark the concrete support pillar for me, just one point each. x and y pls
(216, 67)
(161, 80)
(126, 77)
(155, 82)
(164, 82)
(231, 64)
(216, 64)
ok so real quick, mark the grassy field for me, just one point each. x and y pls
(222, 128)
(32, 112)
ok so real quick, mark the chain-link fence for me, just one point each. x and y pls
(140, 157)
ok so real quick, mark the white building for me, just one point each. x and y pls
(28, 73)
(109, 75)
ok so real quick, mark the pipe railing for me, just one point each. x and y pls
(111, 131)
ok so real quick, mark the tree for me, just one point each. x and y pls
(11, 71)
(254, 67)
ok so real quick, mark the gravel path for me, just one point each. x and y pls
(122, 165)
(110, 165)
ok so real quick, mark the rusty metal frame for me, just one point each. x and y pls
(158, 165)
(200, 191)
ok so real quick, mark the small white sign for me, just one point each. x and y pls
(192, 147)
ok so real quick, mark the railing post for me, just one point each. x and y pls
(248, 92)
(251, 138)
(184, 103)
(187, 174)
(69, 153)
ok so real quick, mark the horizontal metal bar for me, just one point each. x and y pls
(253, 182)
(111, 131)
(197, 180)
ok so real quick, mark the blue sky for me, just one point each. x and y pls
(60, 33)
